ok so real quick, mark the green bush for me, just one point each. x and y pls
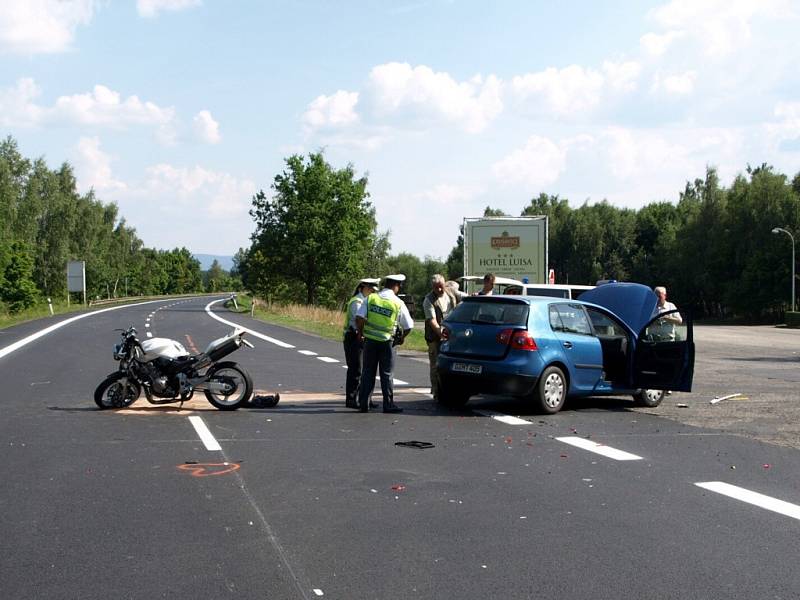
(793, 319)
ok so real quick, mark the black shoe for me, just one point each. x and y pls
(350, 405)
(392, 409)
(363, 409)
(373, 404)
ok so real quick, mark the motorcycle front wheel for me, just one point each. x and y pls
(116, 391)
(239, 380)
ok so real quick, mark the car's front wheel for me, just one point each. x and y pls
(648, 398)
(551, 391)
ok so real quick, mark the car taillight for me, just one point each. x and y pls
(518, 339)
(445, 334)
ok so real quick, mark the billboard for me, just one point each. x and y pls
(76, 276)
(514, 247)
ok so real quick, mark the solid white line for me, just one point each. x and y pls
(598, 448)
(507, 419)
(327, 359)
(210, 442)
(25, 341)
(266, 338)
(307, 352)
(779, 506)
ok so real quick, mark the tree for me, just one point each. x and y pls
(216, 277)
(19, 290)
(317, 233)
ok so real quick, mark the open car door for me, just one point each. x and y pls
(664, 356)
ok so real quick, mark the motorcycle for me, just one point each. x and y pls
(168, 373)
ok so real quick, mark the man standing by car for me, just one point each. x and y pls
(353, 347)
(667, 324)
(376, 320)
(439, 303)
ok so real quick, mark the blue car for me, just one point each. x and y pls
(612, 341)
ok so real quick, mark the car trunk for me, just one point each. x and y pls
(474, 327)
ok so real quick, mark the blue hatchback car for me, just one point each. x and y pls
(610, 342)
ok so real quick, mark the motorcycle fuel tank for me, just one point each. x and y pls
(162, 347)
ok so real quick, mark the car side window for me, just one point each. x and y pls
(572, 319)
(555, 319)
(605, 325)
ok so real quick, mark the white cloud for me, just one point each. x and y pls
(209, 193)
(41, 26)
(103, 106)
(399, 87)
(675, 85)
(721, 26)
(206, 129)
(539, 163)
(151, 8)
(574, 89)
(787, 127)
(337, 110)
(93, 168)
(17, 108)
(656, 44)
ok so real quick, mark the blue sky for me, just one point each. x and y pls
(180, 110)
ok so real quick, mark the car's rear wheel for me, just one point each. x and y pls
(551, 391)
(648, 398)
(452, 396)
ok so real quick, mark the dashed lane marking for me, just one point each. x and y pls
(327, 359)
(507, 419)
(591, 446)
(307, 352)
(206, 436)
(767, 502)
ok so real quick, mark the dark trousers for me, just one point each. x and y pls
(353, 356)
(377, 354)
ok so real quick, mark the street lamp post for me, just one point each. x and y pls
(779, 230)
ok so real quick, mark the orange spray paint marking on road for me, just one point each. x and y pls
(209, 469)
(191, 345)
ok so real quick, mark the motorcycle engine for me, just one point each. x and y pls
(159, 383)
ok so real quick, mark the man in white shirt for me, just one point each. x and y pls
(376, 320)
(667, 324)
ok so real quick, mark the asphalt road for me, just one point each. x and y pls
(310, 499)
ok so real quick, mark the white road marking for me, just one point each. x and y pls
(261, 336)
(327, 359)
(307, 352)
(207, 438)
(147, 324)
(33, 337)
(507, 419)
(779, 506)
(149, 334)
(598, 448)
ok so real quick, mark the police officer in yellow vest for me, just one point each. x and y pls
(377, 319)
(353, 347)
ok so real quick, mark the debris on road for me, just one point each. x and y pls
(415, 444)
(728, 397)
(682, 405)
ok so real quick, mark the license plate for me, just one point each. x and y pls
(467, 368)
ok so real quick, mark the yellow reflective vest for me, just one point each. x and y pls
(382, 316)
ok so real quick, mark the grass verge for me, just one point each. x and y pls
(320, 321)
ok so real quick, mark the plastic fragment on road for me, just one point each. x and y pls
(721, 398)
(415, 444)
(682, 405)
(398, 487)
(766, 466)
(374, 491)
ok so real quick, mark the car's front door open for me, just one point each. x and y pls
(664, 357)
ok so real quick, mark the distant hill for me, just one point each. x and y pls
(226, 262)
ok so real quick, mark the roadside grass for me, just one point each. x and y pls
(7, 319)
(323, 322)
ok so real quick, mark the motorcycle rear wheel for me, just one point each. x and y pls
(109, 394)
(234, 375)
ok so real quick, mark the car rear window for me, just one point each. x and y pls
(493, 312)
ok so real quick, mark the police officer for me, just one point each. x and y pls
(376, 320)
(353, 347)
